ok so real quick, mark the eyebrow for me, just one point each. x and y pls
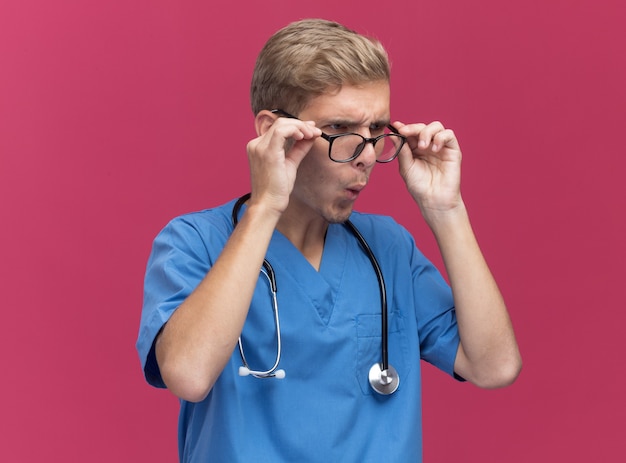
(352, 123)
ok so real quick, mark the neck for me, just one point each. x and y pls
(308, 236)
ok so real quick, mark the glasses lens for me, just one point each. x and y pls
(345, 147)
(348, 146)
(387, 147)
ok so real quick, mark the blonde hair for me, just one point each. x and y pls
(310, 57)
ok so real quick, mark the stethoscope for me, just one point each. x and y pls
(382, 377)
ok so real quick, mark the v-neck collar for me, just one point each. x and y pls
(321, 287)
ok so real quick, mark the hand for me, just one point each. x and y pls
(274, 157)
(431, 166)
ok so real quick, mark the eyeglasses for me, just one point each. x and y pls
(346, 147)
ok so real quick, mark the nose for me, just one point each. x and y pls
(367, 157)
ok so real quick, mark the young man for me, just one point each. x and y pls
(356, 307)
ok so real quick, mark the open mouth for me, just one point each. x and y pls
(353, 192)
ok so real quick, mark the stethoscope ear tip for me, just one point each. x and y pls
(245, 371)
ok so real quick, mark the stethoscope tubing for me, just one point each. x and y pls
(383, 295)
(268, 271)
(382, 377)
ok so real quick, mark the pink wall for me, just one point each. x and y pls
(117, 115)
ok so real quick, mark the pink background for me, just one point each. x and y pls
(117, 115)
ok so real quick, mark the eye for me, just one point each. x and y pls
(338, 128)
(377, 129)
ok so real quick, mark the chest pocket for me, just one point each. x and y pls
(369, 347)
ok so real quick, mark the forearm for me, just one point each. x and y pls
(488, 354)
(200, 336)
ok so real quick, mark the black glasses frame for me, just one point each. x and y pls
(360, 147)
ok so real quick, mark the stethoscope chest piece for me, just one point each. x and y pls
(384, 382)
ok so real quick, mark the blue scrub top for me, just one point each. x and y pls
(324, 409)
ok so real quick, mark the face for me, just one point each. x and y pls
(327, 189)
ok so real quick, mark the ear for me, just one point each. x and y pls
(263, 121)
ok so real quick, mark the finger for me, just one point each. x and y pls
(280, 138)
(445, 139)
(427, 135)
(300, 143)
(292, 131)
(411, 132)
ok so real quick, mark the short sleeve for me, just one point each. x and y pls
(177, 264)
(435, 313)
